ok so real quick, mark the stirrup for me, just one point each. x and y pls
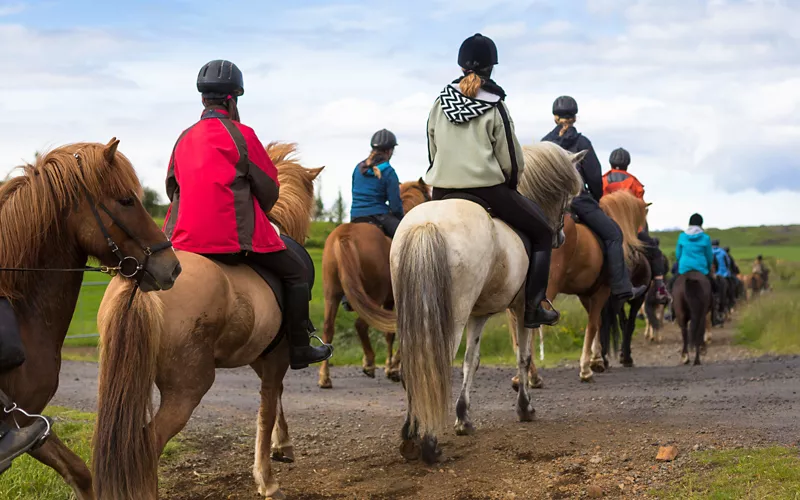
(16, 409)
(329, 346)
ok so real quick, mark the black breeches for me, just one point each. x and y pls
(514, 209)
(387, 222)
(653, 254)
(286, 264)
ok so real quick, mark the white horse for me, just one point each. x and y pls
(454, 266)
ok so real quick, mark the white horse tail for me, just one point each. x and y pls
(422, 290)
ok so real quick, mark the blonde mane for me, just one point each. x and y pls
(34, 206)
(629, 212)
(550, 178)
(295, 205)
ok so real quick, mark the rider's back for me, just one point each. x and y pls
(694, 252)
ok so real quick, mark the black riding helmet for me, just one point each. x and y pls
(715, 243)
(383, 139)
(696, 220)
(219, 79)
(478, 54)
(565, 107)
(620, 158)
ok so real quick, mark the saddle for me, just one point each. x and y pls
(272, 281)
(370, 220)
(526, 242)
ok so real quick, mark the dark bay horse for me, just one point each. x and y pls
(54, 216)
(355, 263)
(692, 302)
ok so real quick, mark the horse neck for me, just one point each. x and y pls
(46, 312)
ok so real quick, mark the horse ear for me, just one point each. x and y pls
(579, 156)
(110, 151)
(422, 182)
(313, 173)
(647, 205)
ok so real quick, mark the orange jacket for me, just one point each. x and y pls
(615, 180)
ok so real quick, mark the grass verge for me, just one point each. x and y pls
(30, 480)
(743, 473)
(770, 323)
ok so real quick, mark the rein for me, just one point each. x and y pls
(128, 266)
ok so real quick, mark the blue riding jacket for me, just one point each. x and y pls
(371, 194)
(721, 256)
(694, 251)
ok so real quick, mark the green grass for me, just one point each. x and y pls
(771, 323)
(744, 473)
(30, 480)
(744, 237)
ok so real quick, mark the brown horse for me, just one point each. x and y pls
(51, 217)
(355, 263)
(576, 268)
(216, 316)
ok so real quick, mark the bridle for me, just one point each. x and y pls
(128, 266)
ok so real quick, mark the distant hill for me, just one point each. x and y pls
(781, 242)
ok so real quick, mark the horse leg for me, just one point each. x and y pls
(282, 448)
(272, 369)
(512, 328)
(392, 360)
(591, 344)
(472, 358)
(328, 329)
(368, 363)
(685, 335)
(535, 381)
(525, 410)
(53, 453)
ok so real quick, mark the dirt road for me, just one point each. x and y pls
(603, 435)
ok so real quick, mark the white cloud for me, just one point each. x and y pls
(505, 31)
(9, 9)
(555, 28)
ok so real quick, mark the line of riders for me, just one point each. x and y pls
(221, 185)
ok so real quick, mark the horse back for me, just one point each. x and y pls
(372, 248)
(229, 309)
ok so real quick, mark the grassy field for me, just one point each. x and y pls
(29, 480)
(780, 245)
(742, 473)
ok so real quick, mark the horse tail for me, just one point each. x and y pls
(352, 281)
(625, 209)
(650, 310)
(698, 301)
(425, 325)
(125, 453)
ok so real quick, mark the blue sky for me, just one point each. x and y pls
(705, 94)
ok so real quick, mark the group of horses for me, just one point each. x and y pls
(449, 267)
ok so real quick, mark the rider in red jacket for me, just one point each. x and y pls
(221, 184)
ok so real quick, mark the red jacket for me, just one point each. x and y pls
(616, 180)
(221, 184)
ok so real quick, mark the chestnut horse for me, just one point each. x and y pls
(576, 268)
(54, 216)
(355, 263)
(216, 316)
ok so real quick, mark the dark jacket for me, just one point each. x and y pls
(589, 168)
(372, 193)
(221, 184)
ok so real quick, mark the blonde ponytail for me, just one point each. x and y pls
(470, 85)
(565, 123)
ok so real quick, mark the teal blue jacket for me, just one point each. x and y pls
(694, 251)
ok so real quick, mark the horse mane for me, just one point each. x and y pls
(549, 178)
(628, 212)
(292, 212)
(412, 193)
(34, 206)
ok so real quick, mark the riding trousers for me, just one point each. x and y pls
(526, 217)
(653, 254)
(387, 222)
(589, 212)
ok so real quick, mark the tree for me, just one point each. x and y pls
(151, 200)
(320, 214)
(337, 212)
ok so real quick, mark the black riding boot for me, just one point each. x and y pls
(17, 441)
(301, 353)
(12, 352)
(621, 287)
(536, 291)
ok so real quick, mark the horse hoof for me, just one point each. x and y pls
(537, 384)
(627, 363)
(697, 362)
(369, 371)
(410, 450)
(285, 455)
(393, 375)
(326, 384)
(526, 415)
(430, 451)
(464, 429)
(597, 367)
(588, 379)
(515, 384)
(685, 360)
(277, 495)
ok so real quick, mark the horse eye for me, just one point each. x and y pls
(126, 202)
